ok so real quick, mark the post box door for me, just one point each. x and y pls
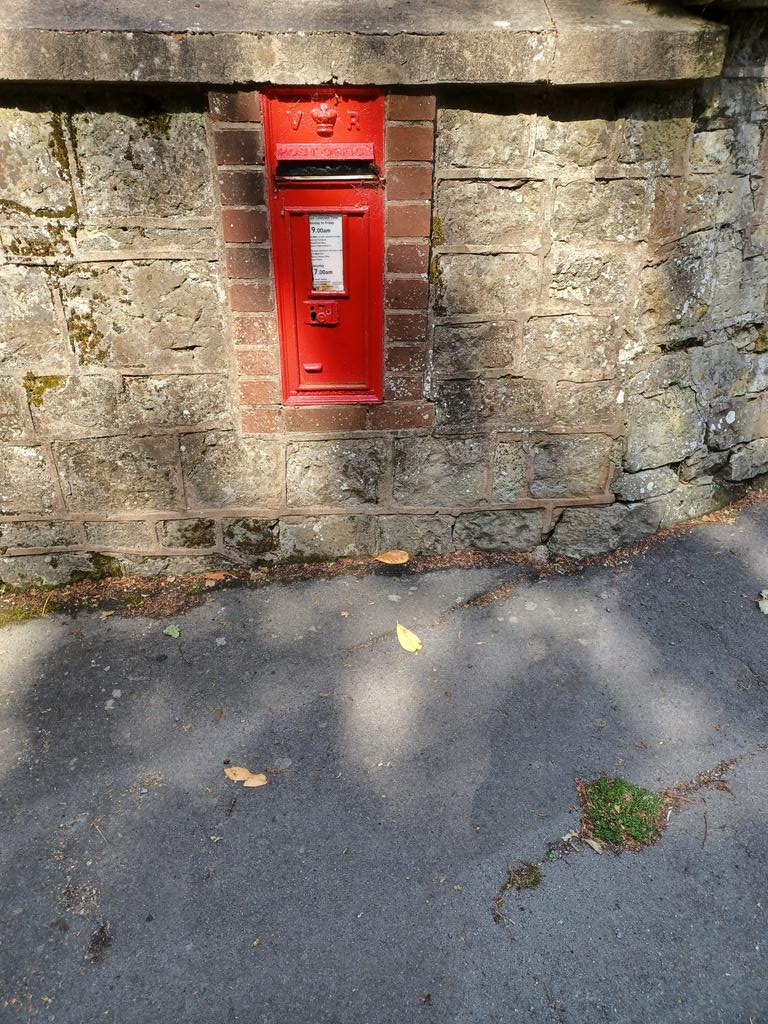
(328, 259)
(324, 155)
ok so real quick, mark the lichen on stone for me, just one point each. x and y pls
(36, 387)
(86, 338)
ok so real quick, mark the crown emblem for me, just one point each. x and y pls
(324, 117)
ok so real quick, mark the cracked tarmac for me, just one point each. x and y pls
(356, 887)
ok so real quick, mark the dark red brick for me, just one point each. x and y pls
(251, 296)
(241, 188)
(266, 420)
(239, 225)
(410, 142)
(401, 416)
(248, 261)
(411, 107)
(407, 327)
(325, 418)
(259, 392)
(408, 258)
(235, 105)
(409, 181)
(406, 292)
(235, 146)
(408, 220)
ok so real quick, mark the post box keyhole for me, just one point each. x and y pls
(322, 314)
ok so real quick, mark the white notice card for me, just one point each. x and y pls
(327, 252)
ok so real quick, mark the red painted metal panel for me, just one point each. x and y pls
(328, 244)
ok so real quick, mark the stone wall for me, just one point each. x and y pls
(593, 363)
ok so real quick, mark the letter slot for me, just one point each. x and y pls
(325, 192)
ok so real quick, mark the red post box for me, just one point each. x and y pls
(324, 158)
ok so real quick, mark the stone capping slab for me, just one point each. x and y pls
(561, 42)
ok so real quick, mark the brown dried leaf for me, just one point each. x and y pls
(395, 557)
(249, 779)
(593, 844)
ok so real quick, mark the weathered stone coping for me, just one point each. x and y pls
(407, 42)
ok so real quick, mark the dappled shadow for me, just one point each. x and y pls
(400, 787)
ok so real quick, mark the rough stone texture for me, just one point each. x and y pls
(569, 347)
(31, 334)
(612, 211)
(34, 170)
(187, 533)
(506, 402)
(491, 213)
(589, 531)
(648, 483)
(154, 315)
(40, 534)
(334, 473)
(251, 537)
(326, 537)
(570, 467)
(663, 428)
(748, 460)
(222, 470)
(498, 531)
(436, 471)
(510, 466)
(459, 348)
(156, 162)
(119, 536)
(26, 484)
(472, 283)
(119, 474)
(430, 534)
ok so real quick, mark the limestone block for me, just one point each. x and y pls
(181, 399)
(334, 472)
(31, 570)
(31, 334)
(748, 460)
(690, 501)
(712, 150)
(587, 277)
(748, 144)
(119, 536)
(736, 421)
(757, 372)
(601, 210)
(251, 537)
(473, 138)
(440, 471)
(25, 481)
(467, 347)
(569, 347)
(590, 531)
(498, 531)
(127, 241)
(676, 289)
(510, 466)
(425, 534)
(565, 141)
(222, 469)
(30, 239)
(186, 533)
(596, 406)
(653, 141)
(472, 283)
(121, 474)
(326, 537)
(504, 213)
(570, 467)
(719, 370)
(661, 373)
(739, 285)
(157, 164)
(162, 315)
(703, 462)
(709, 201)
(662, 428)
(173, 565)
(13, 422)
(646, 484)
(507, 402)
(42, 534)
(34, 168)
(63, 406)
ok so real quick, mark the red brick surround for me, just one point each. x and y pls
(238, 145)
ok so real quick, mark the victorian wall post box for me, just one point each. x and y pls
(324, 160)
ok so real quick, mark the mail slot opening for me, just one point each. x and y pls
(318, 170)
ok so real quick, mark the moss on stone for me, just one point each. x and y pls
(36, 387)
(438, 285)
(157, 124)
(761, 343)
(104, 565)
(86, 338)
(438, 233)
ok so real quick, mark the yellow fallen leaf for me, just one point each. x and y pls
(395, 557)
(249, 779)
(408, 640)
